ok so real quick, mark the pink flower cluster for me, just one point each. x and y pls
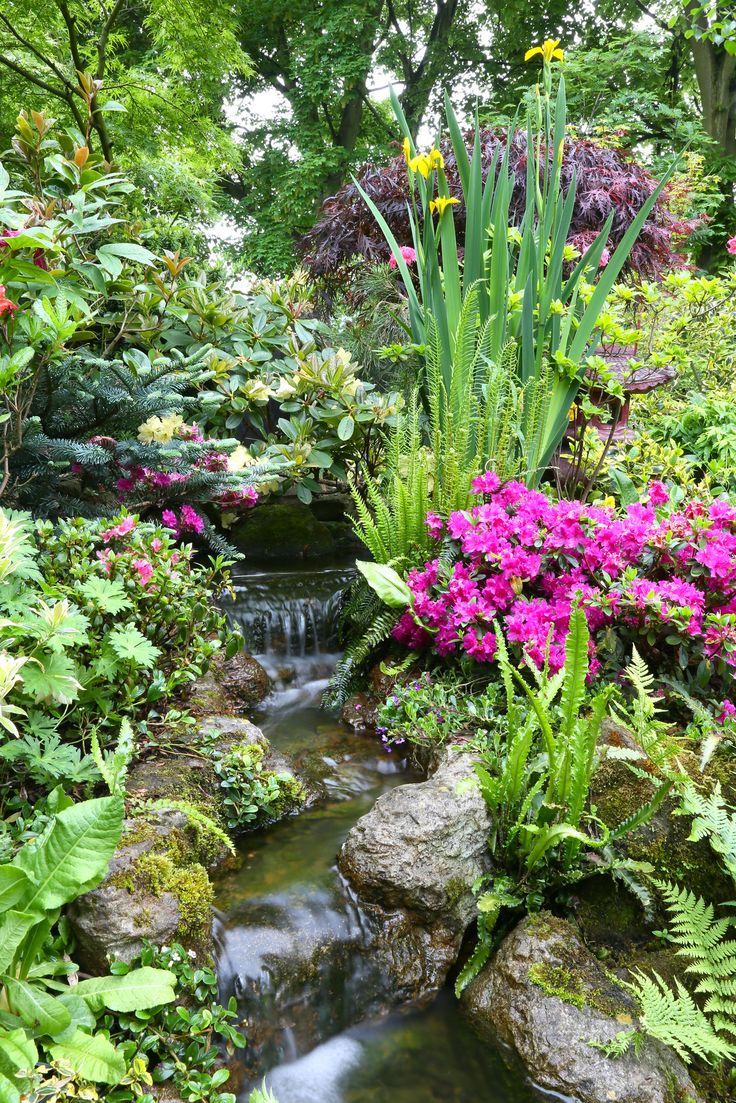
(144, 476)
(187, 521)
(128, 548)
(662, 578)
(731, 245)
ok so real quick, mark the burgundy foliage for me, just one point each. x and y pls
(607, 180)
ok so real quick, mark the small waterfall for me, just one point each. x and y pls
(289, 614)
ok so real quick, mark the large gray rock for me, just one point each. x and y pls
(411, 861)
(547, 996)
(156, 890)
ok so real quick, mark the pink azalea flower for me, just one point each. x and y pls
(144, 569)
(731, 245)
(191, 520)
(658, 493)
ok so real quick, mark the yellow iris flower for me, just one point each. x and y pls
(421, 164)
(549, 50)
(407, 150)
(436, 160)
(441, 203)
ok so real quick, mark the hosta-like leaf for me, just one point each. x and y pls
(91, 1056)
(130, 644)
(41, 1012)
(17, 1051)
(14, 927)
(135, 991)
(74, 856)
(386, 582)
(14, 883)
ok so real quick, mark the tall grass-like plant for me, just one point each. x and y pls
(531, 287)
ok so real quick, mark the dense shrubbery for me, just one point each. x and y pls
(659, 577)
(100, 620)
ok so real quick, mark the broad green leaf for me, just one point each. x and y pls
(52, 679)
(38, 1010)
(17, 1051)
(9, 1093)
(130, 644)
(135, 991)
(386, 582)
(14, 927)
(75, 854)
(129, 251)
(346, 427)
(91, 1056)
(14, 883)
(80, 1012)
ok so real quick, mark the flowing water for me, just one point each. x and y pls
(293, 946)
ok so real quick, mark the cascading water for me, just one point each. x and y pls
(293, 946)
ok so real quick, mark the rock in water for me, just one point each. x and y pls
(547, 996)
(412, 861)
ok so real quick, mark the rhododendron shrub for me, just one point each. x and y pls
(653, 575)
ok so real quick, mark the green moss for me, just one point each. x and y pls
(618, 794)
(556, 980)
(190, 885)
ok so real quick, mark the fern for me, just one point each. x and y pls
(195, 815)
(114, 766)
(714, 821)
(641, 718)
(675, 1019)
(701, 938)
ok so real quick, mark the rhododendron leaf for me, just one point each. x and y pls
(386, 582)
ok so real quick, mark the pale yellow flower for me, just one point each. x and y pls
(436, 160)
(239, 458)
(256, 391)
(158, 430)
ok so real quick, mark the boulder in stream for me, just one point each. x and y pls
(547, 996)
(157, 889)
(411, 861)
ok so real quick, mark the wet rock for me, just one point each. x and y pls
(664, 841)
(411, 862)
(156, 889)
(546, 995)
(230, 685)
(282, 532)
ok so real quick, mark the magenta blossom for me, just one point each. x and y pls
(408, 254)
(664, 580)
(731, 245)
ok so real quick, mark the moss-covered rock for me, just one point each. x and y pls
(157, 890)
(282, 532)
(548, 997)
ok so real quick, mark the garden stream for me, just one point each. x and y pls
(293, 946)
